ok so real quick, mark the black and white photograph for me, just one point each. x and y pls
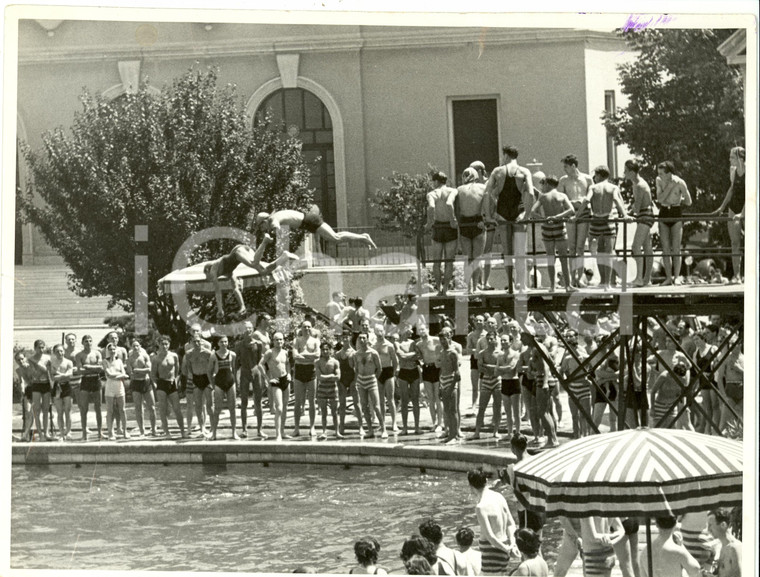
(343, 291)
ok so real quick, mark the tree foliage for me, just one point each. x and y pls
(685, 105)
(179, 162)
(403, 205)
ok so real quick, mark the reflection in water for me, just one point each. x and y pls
(241, 517)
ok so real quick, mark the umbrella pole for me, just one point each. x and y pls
(649, 548)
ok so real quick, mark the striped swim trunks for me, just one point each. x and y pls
(366, 382)
(489, 383)
(580, 389)
(661, 410)
(553, 231)
(598, 562)
(646, 216)
(493, 560)
(697, 543)
(601, 226)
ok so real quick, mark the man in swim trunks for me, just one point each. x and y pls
(497, 527)
(442, 220)
(226, 266)
(61, 370)
(89, 361)
(387, 379)
(367, 366)
(575, 185)
(643, 210)
(490, 385)
(186, 376)
(428, 351)
(598, 554)
(507, 366)
(276, 365)
(39, 364)
(248, 353)
(275, 222)
(449, 383)
(602, 197)
(672, 196)
(138, 369)
(510, 192)
(471, 348)
(165, 368)
(328, 377)
(70, 352)
(195, 366)
(556, 208)
(469, 210)
(305, 353)
(408, 378)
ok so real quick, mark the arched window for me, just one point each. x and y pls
(302, 115)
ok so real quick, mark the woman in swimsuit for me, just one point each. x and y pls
(367, 550)
(225, 381)
(734, 201)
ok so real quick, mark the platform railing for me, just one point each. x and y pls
(396, 249)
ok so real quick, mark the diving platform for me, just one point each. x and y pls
(695, 299)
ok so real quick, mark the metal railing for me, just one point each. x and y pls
(396, 249)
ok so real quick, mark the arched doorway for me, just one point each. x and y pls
(302, 114)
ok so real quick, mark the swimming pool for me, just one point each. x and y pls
(239, 517)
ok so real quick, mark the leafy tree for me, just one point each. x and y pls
(179, 163)
(403, 206)
(685, 105)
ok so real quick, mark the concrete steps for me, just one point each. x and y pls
(44, 307)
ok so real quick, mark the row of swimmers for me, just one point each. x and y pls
(576, 208)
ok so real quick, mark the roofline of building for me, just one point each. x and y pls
(365, 39)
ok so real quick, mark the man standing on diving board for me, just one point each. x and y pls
(310, 222)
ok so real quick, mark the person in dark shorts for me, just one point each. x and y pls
(508, 365)
(441, 219)
(89, 362)
(276, 366)
(305, 353)
(225, 381)
(39, 366)
(672, 196)
(195, 366)
(470, 212)
(138, 369)
(61, 371)
(312, 222)
(165, 369)
(23, 374)
(408, 378)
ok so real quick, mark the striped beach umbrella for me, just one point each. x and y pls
(192, 280)
(633, 473)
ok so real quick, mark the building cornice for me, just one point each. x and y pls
(366, 39)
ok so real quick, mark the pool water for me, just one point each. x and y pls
(243, 517)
